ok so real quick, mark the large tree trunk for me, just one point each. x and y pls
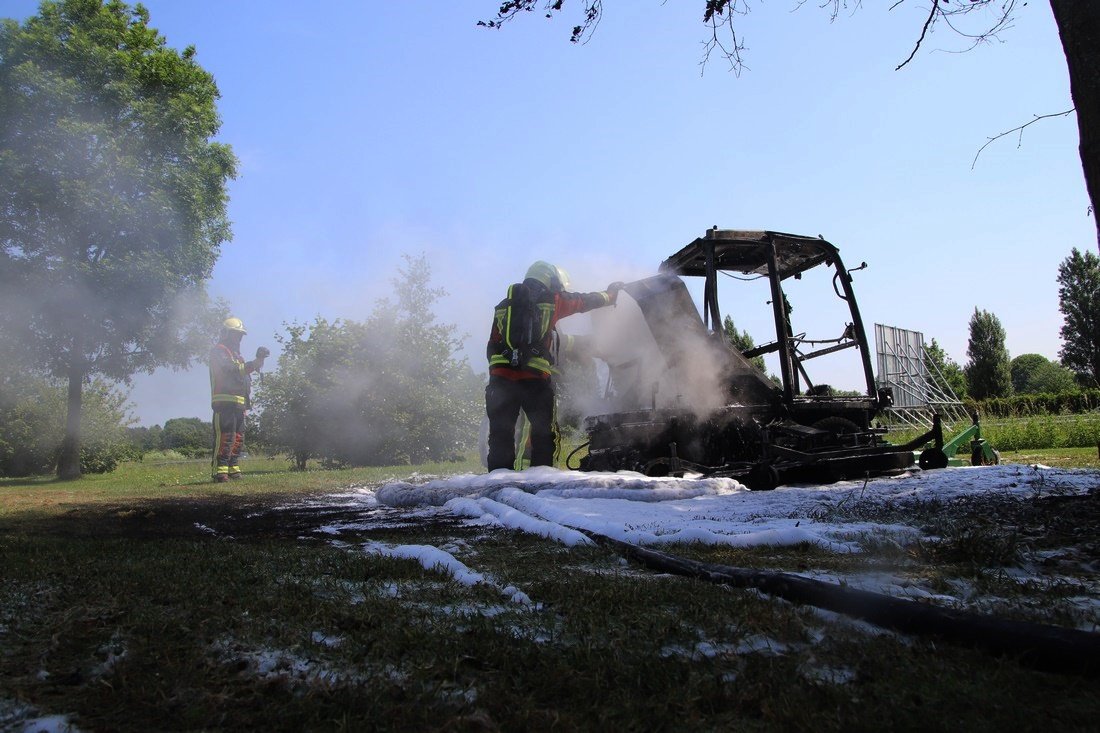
(1079, 27)
(68, 464)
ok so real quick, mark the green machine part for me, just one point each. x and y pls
(981, 452)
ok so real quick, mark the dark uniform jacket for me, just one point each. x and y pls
(553, 307)
(230, 382)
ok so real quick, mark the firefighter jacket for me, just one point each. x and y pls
(230, 381)
(552, 307)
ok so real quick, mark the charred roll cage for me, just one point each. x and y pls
(760, 432)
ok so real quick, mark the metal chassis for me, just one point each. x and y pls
(759, 252)
(768, 256)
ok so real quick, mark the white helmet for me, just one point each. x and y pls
(553, 277)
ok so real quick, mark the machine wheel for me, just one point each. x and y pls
(932, 458)
(762, 477)
(977, 458)
(657, 468)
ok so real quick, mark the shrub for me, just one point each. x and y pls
(1031, 433)
(1064, 403)
(32, 425)
(389, 390)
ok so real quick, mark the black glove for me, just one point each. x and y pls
(614, 288)
(262, 352)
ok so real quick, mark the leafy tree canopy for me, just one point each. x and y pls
(32, 425)
(144, 439)
(1036, 374)
(945, 368)
(187, 435)
(1051, 378)
(112, 195)
(1079, 301)
(1024, 367)
(388, 390)
(742, 341)
(987, 372)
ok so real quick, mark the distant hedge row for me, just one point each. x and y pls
(1030, 405)
(1025, 433)
(1045, 431)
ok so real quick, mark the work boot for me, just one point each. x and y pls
(221, 478)
(236, 475)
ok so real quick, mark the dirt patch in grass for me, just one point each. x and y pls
(243, 517)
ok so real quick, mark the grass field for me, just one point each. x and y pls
(152, 599)
(153, 480)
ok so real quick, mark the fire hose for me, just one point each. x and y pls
(1042, 646)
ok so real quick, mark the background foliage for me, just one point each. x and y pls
(388, 390)
(987, 371)
(32, 425)
(112, 196)
(1079, 301)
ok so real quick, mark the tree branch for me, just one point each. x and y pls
(942, 10)
(1019, 129)
(718, 13)
(923, 32)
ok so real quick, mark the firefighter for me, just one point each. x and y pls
(230, 388)
(521, 360)
(574, 364)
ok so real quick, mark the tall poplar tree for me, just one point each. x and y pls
(1079, 301)
(988, 373)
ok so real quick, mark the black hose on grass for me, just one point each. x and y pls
(575, 451)
(1050, 648)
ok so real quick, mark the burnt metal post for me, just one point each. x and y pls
(712, 319)
(782, 331)
(857, 324)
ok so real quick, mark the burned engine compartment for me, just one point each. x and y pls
(681, 398)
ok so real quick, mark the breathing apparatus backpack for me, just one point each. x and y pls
(523, 319)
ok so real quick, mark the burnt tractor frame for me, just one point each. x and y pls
(762, 433)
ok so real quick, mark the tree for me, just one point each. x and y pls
(190, 436)
(1079, 301)
(1023, 369)
(112, 196)
(1052, 378)
(1036, 374)
(987, 373)
(388, 390)
(742, 341)
(943, 366)
(1078, 24)
(144, 439)
(301, 403)
(32, 425)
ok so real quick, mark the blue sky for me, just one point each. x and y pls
(370, 129)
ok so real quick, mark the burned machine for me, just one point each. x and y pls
(682, 398)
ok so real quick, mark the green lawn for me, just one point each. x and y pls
(1058, 457)
(153, 599)
(176, 479)
(152, 480)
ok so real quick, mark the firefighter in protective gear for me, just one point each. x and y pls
(573, 356)
(230, 392)
(520, 369)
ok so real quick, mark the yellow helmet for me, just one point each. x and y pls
(549, 275)
(233, 324)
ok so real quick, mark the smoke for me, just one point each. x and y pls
(655, 353)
